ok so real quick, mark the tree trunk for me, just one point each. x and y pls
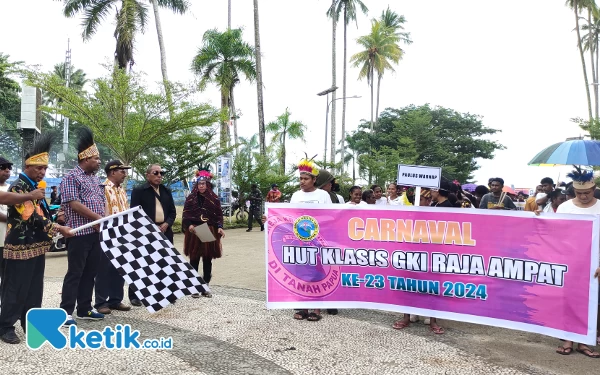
(163, 56)
(378, 91)
(354, 169)
(344, 96)
(224, 124)
(594, 72)
(596, 79)
(282, 161)
(333, 79)
(228, 14)
(372, 62)
(234, 115)
(579, 45)
(259, 83)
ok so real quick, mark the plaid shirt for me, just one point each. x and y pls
(85, 188)
(116, 198)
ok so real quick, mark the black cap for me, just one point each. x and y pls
(4, 161)
(115, 164)
(274, 185)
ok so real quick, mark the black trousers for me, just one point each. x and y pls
(255, 215)
(22, 290)
(83, 255)
(109, 284)
(206, 267)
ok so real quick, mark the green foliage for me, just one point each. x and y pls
(124, 114)
(283, 128)
(10, 109)
(347, 7)
(438, 137)
(223, 59)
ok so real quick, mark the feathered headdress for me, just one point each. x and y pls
(308, 166)
(86, 147)
(582, 179)
(39, 153)
(203, 174)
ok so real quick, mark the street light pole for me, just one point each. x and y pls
(327, 117)
(327, 92)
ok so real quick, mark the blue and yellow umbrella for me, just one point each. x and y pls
(573, 152)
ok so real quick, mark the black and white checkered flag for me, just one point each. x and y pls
(147, 260)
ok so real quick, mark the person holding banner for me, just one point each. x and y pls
(202, 207)
(28, 238)
(584, 203)
(497, 200)
(393, 199)
(379, 198)
(83, 201)
(356, 196)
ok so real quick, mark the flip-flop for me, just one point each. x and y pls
(313, 317)
(564, 351)
(583, 351)
(437, 330)
(400, 324)
(301, 315)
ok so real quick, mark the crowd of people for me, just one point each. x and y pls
(27, 230)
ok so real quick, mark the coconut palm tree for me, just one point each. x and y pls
(283, 128)
(380, 48)
(349, 9)
(259, 82)
(394, 24)
(590, 44)
(131, 17)
(222, 60)
(77, 80)
(578, 6)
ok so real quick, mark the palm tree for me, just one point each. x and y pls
(394, 24)
(349, 8)
(77, 80)
(222, 59)
(177, 6)
(282, 128)
(590, 44)
(259, 82)
(577, 6)
(131, 17)
(380, 47)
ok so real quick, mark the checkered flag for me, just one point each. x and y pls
(147, 260)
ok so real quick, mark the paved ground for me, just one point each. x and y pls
(233, 333)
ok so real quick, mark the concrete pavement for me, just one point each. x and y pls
(233, 333)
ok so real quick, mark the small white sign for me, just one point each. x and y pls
(419, 175)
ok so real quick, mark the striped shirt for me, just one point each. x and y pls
(87, 189)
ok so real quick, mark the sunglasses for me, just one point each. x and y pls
(156, 173)
(4, 167)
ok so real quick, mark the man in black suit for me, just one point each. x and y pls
(157, 201)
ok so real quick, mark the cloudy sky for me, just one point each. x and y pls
(514, 63)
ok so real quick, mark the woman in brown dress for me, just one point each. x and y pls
(202, 206)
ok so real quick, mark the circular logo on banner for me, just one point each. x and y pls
(306, 228)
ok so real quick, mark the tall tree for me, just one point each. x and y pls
(578, 6)
(393, 24)
(223, 59)
(349, 8)
(10, 109)
(259, 82)
(380, 48)
(131, 17)
(590, 44)
(177, 6)
(283, 128)
(124, 115)
(77, 80)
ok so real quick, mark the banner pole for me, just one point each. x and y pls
(417, 196)
(100, 221)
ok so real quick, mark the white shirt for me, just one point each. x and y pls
(340, 198)
(357, 204)
(570, 208)
(317, 197)
(3, 210)
(382, 201)
(395, 202)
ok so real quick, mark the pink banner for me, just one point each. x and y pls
(505, 269)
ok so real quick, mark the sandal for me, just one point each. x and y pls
(313, 317)
(400, 324)
(207, 294)
(301, 315)
(564, 351)
(587, 352)
(437, 329)
(332, 311)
